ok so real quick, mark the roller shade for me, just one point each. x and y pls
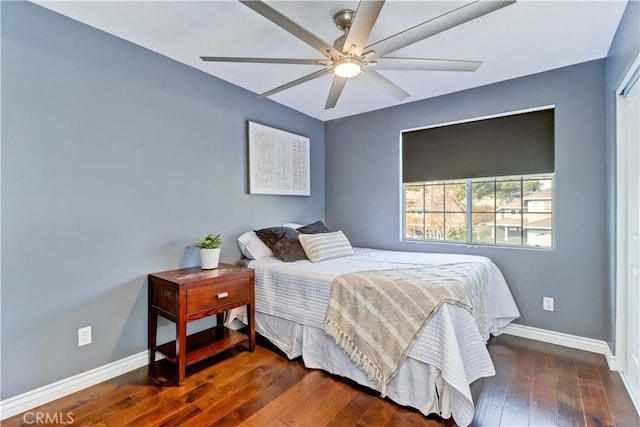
(518, 144)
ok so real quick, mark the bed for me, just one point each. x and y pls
(450, 352)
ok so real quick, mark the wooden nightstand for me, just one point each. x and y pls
(190, 294)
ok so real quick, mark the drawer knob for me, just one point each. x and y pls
(223, 295)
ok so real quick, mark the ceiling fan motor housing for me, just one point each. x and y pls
(343, 19)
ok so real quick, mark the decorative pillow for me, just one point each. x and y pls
(271, 235)
(283, 241)
(323, 246)
(288, 248)
(313, 228)
(252, 247)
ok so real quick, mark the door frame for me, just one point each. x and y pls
(621, 227)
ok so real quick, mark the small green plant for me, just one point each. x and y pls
(209, 242)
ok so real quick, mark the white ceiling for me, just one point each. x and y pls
(527, 37)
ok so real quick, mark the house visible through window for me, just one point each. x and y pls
(516, 211)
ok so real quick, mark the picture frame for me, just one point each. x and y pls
(279, 161)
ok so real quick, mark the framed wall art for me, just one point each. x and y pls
(278, 161)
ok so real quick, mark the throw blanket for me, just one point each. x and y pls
(376, 316)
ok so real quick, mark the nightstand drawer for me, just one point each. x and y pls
(205, 297)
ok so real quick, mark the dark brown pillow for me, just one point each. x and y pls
(271, 235)
(314, 228)
(289, 248)
(284, 243)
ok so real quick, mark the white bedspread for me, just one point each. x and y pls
(291, 301)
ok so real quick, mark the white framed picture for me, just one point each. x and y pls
(278, 161)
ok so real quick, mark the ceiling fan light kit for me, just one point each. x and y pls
(347, 67)
(350, 57)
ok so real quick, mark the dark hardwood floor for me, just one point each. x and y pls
(536, 384)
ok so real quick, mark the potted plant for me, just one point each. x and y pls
(209, 251)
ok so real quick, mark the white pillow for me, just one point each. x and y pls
(323, 246)
(292, 225)
(252, 247)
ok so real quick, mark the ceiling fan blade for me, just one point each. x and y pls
(290, 26)
(296, 82)
(263, 60)
(336, 89)
(436, 25)
(363, 23)
(426, 64)
(381, 82)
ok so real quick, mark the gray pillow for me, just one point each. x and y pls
(314, 228)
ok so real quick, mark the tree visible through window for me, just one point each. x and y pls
(513, 211)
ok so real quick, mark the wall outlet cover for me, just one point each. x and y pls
(84, 336)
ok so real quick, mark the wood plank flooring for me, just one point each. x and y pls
(536, 384)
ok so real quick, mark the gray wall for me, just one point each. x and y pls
(624, 49)
(363, 192)
(114, 160)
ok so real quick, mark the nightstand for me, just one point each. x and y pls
(189, 294)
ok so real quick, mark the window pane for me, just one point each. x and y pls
(538, 194)
(414, 211)
(483, 228)
(455, 197)
(531, 185)
(483, 196)
(434, 226)
(508, 234)
(456, 227)
(538, 230)
(508, 195)
(434, 198)
(414, 197)
(414, 226)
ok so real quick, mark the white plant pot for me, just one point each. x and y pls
(209, 258)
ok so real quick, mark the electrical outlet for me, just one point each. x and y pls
(84, 336)
(547, 303)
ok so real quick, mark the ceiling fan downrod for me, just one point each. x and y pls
(343, 20)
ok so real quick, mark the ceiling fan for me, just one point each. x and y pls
(350, 56)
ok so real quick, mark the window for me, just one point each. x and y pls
(485, 181)
(512, 211)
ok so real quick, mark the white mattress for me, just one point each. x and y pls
(291, 300)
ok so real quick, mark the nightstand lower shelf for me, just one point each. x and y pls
(204, 344)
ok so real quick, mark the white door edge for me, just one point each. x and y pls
(621, 229)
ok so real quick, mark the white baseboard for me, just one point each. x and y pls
(565, 340)
(25, 401)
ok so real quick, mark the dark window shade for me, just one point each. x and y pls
(519, 144)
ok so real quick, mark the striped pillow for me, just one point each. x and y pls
(323, 246)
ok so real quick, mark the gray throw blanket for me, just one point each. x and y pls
(376, 316)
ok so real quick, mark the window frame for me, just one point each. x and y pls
(469, 212)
